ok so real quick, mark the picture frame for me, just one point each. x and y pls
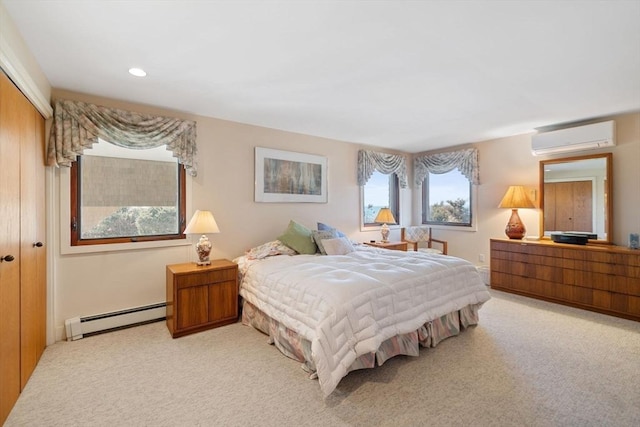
(289, 177)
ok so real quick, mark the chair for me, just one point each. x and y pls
(418, 234)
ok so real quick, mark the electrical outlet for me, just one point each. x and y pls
(481, 257)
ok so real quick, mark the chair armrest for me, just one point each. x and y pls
(443, 243)
(412, 243)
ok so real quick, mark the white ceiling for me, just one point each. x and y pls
(409, 75)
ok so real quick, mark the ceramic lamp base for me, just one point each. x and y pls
(515, 228)
(384, 230)
(203, 248)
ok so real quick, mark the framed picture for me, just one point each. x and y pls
(286, 176)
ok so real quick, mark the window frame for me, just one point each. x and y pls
(76, 218)
(425, 205)
(394, 199)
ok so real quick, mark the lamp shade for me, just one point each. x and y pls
(385, 216)
(516, 198)
(202, 222)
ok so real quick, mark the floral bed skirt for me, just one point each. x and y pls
(298, 348)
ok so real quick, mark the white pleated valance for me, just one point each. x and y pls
(370, 161)
(466, 161)
(78, 125)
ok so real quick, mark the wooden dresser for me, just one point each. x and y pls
(600, 278)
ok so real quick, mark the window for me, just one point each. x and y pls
(446, 199)
(123, 195)
(379, 192)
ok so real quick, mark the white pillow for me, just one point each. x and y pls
(338, 246)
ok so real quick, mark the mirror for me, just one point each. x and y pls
(575, 196)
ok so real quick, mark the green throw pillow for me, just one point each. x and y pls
(299, 238)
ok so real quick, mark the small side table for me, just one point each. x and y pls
(394, 246)
(201, 297)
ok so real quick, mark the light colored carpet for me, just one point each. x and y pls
(528, 363)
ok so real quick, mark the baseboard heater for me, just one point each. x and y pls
(79, 327)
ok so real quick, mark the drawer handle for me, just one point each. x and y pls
(7, 258)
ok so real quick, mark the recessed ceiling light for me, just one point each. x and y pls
(138, 72)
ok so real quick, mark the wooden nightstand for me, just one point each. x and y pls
(201, 297)
(394, 246)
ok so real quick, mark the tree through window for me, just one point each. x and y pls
(446, 199)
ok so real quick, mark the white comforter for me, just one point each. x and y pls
(347, 305)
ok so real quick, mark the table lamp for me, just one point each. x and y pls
(202, 223)
(385, 216)
(515, 198)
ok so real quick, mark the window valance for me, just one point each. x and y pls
(464, 160)
(370, 161)
(78, 125)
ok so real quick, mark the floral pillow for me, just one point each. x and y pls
(273, 248)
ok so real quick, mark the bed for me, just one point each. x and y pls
(338, 313)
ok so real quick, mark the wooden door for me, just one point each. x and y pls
(583, 206)
(568, 206)
(550, 207)
(9, 245)
(564, 206)
(33, 293)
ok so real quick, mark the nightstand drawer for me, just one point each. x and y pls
(206, 278)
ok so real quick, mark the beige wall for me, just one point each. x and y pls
(626, 178)
(87, 284)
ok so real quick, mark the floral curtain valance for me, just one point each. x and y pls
(465, 160)
(78, 125)
(370, 161)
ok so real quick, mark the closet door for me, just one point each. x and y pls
(564, 206)
(550, 206)
(568, 206)
(22, 252)
(32, 234)
(9, 245)
(583, 206)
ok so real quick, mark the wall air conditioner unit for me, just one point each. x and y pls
(587, 137)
